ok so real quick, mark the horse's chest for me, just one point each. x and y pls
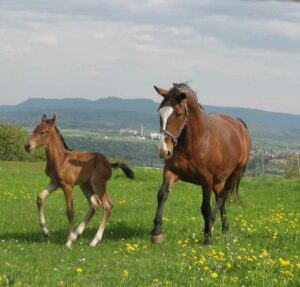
(186, 170)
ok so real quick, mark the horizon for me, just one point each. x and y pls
(94, 100)
(233, 53)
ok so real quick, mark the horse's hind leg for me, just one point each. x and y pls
(225, 225)
(94, 203)
(231, 182)
(40, 204)
(100, 189)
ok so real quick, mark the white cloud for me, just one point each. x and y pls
(107, 47)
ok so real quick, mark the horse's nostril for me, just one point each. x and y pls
(27, 147)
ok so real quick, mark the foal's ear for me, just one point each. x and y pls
(162, 92)
(53, 120)
(44, 118)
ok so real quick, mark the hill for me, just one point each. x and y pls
(114, 113)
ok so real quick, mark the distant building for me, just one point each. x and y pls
(128, 131)
(154, 136)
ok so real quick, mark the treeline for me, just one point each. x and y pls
(144, 153)
(12, 140)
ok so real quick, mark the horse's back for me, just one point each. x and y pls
(232, 134)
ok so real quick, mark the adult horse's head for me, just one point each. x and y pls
(41, 134)
(173, 114)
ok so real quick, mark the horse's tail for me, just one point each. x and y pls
(244, 124)
(235, 190)
(126, 169)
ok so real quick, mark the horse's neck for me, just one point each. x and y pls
(196, 126)
(55, 151)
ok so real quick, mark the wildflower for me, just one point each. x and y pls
(284, 263)
(79, 270)
(214, 275)
(228, 265)
(125, 273)
(264, 253)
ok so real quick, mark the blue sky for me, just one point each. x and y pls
(232, 53)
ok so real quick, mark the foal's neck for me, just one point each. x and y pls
(55, 149)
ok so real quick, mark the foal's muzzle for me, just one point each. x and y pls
(28, 148)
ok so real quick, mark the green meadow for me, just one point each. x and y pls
(262, 247)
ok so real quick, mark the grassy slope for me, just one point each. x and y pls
(266, 229)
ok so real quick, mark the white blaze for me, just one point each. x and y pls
(165, 113)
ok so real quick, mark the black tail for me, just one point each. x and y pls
(235, 189)
(126, 169)
(243, 123)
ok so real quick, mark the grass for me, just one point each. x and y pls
(261, 248)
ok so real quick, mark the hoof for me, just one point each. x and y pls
(225, 230)
(206, 241)
(157, 239)
(45, 232)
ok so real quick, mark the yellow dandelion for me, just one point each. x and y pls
(283, 263)
(214, 275)
(228, 265)
(125, 273)
(264, 253)
(79, 270)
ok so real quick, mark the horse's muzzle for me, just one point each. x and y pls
(165, 154)
(28, 148)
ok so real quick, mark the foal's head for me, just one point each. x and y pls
(173, 118)
(41, 134)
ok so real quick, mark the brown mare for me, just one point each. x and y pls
(67, 168)
(199, 148)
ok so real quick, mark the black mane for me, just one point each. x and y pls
(186, 86)
(63, 140)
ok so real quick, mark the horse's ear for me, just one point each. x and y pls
(53, 120)
(44, 118)
(162, 92)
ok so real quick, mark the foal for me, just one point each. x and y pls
(67, 168)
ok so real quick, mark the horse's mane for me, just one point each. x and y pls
(185, 86)
(62, 138)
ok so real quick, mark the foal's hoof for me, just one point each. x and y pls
(157, 239)
(45, 232)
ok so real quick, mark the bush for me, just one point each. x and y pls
(12, 140)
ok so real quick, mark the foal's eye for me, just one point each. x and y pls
(178, 114)
(41, 133)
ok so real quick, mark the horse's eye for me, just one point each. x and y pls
(178, 114)
(41, 133)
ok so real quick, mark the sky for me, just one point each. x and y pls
(232, 53)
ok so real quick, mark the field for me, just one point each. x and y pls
(262, 247)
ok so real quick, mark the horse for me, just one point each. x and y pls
(67, 168)
(208, 150)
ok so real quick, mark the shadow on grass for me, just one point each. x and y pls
(113, 232)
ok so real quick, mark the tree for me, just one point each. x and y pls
(12, 140)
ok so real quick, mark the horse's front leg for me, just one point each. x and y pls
(169, 179)
(68, 192)
(40, 205)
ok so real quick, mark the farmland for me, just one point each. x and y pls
(261, 248)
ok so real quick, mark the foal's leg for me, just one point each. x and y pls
(225, 225)
(68, 192)
(169, 179)
(94, 203)
(40, 205)
(107, 206)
